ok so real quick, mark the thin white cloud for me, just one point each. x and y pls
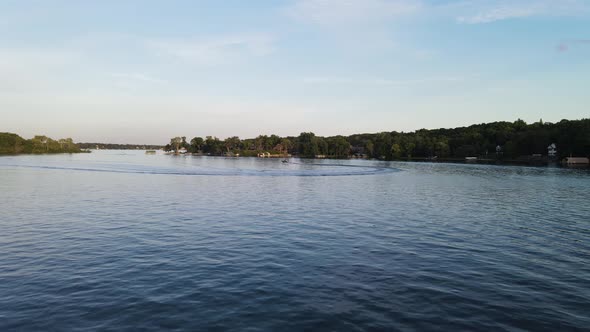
(479, 12)
(33, 69)
(137, 77)
(378, 81)
(335, 12)
(32, 57)
(215, 50)
(21, 16)
(351, 12)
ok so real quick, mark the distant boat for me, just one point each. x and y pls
(150, 152)
(284, 161)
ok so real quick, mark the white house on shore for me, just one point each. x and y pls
(552, 150)
(576, 161)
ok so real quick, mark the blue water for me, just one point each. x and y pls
(120, 240)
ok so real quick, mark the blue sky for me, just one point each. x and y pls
(144, 71)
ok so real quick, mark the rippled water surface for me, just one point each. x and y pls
(120, 240)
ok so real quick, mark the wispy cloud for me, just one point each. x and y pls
(215, 50)
(132, 82)
(378, 81)
(478, 12)
(31, 69)
(344, 12)
(138, 77)
(335, 12)
(36, 58)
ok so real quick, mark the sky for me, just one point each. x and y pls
(125, 71)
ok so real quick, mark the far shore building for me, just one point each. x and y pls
(552, 150)
(576, 161)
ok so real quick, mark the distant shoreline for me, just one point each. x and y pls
(117, 146)
(514, 143)
(13, 144)
(542, 162)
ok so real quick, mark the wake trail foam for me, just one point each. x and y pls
(368, 170)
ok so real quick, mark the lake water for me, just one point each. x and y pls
(117, 240)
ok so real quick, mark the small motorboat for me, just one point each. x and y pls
(284, 161)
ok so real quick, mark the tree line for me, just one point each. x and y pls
(14, 144)
(493, 140)
(114, 146)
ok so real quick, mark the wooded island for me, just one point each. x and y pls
(14, 144)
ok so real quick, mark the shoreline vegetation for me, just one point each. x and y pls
(11, 144)
(114, 146)
(511, 143)
(514, 143)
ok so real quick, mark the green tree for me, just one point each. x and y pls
(338, 147)
(196, 144)
(369, 148)
(286, 145)
(396, 151)
(175, 143)
(40, 144)
(308, 145)
(232, 143)
(13, 144)
(212, 145)
(184, 143)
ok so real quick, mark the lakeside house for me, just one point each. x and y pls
(264, 155)
(552, 150)
(269, 155)
(576, 161)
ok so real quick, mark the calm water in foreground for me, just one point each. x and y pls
(118, 240)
